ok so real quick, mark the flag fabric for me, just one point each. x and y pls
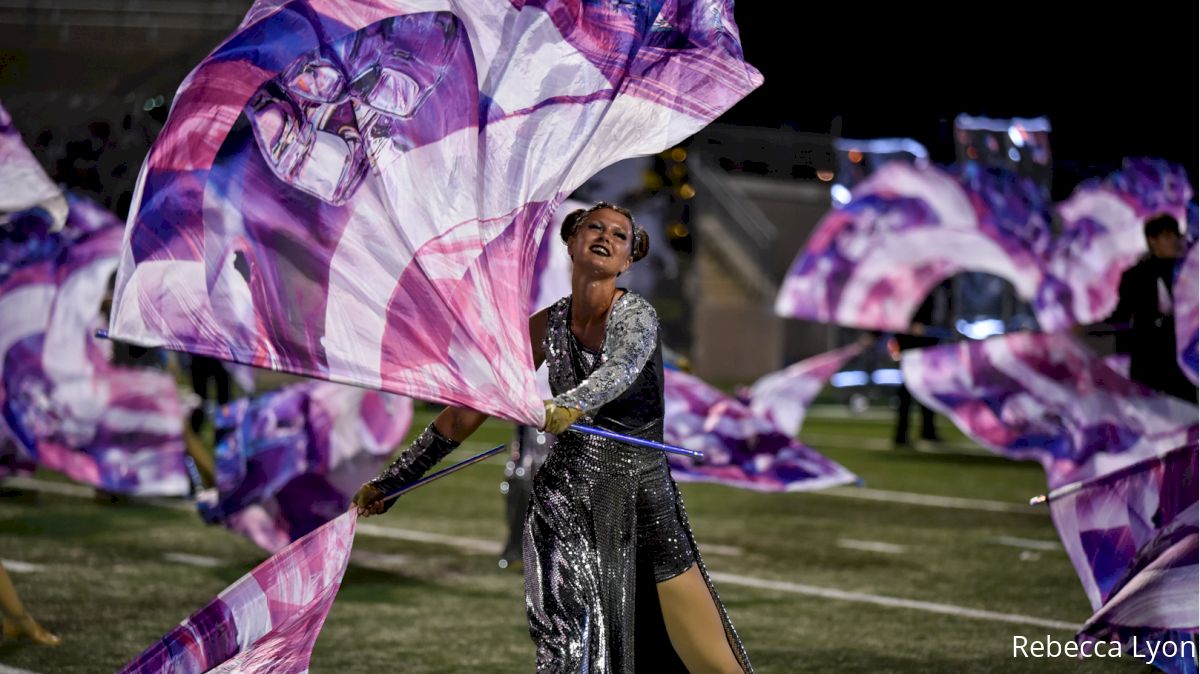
(385, 170)
(1047, 398)
(290, 460)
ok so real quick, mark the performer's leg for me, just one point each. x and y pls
(928, 430)
(694, 626)
(905, 400)
(17, 623)
(205, 461)
(221, 377)
(199, 377)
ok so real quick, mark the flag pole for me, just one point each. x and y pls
(611, 435)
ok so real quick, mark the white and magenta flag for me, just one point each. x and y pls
(741, 448)
(872, 261)
(268, 620)
(785, 396)
(356, 191)
(1132, 536)
(63, 405)
(290, 460)
(1048, 398)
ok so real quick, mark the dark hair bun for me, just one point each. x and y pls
(641, 244)
(569, 222)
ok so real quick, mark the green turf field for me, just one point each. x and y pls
(852, 580)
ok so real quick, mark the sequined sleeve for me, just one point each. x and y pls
(629, 342)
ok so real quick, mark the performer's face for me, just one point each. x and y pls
(1166, 245)
(603, 241)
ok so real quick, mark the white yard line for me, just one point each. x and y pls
(871, 546)
(5, 669)
(714, 549)
(474, 545)
(20, 567)
(194, 560)
(891, 602)
(1029, 543)
(931, 500)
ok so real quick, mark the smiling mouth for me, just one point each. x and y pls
(600, 250)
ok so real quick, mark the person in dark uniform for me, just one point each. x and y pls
(1144, 316)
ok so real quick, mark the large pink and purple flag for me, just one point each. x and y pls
(1132, 537)
(741, 449)
(1187, 314)
(784, 397)
(268, 620)
(290, 460)
(356, 192)
(64, 404)
(1047, 398)
(873, 261)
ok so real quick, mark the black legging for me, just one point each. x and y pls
(928, 432)
(204, 369)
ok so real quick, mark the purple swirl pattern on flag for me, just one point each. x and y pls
(784, 397)
(741, 449)
(1187, 314)
(269, 619)
(872, 262)
(291, 460)
(66, 406)
(1047, 398)
(1132, 537)
(356, 192)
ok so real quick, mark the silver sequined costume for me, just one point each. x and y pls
(605, 519)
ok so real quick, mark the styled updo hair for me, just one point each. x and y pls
(641, 241)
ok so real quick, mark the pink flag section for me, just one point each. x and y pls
(356, 191)
(785, 396)
(268, 621)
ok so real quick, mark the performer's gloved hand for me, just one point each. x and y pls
(368, 500)
(412, 464)
(558, 417)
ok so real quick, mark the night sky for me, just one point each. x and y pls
(1114, 82)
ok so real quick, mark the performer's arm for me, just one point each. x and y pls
(630, 342)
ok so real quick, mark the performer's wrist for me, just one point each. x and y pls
(423, 453)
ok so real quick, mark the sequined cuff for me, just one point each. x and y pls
(424, 453)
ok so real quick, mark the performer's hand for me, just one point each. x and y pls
(558, 418)
(369, 501)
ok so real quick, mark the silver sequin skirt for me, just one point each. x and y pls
(605, 522)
